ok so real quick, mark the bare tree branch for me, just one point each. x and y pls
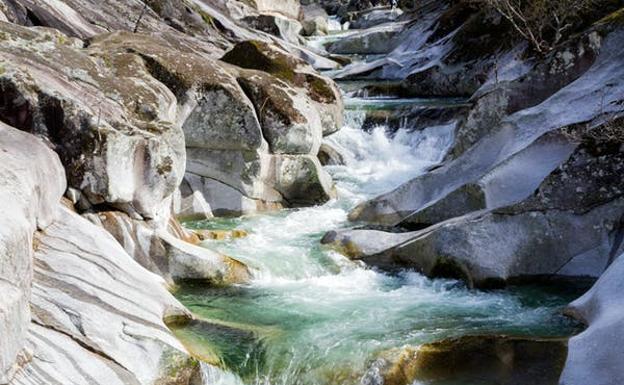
(138, 22)
(543, 23)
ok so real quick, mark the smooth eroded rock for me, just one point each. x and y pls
(32, 181)
(170, 253)
(98, 316)
(111, 122)
(595, 355)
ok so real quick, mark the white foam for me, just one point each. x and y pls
(212, 375)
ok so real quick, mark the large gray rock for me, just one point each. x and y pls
(565, 228)
(290, 123)
(529, 139)
(210, 27)
(111, 122)
(98, 317)
(32, 182)
(85, 19)
(233, 182)
(322, 92)
(233, 133)
(595, 355)
(301, 180)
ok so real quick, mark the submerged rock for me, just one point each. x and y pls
(220, 235)
(473, 359)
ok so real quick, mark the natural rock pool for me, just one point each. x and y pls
(311, 316)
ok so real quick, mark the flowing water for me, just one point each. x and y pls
(310, 316)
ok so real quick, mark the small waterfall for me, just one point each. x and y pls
(377, 161)
(311, 316)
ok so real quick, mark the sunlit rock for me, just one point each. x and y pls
(473, 359)
(32, 182)
(173, 255)
(98, 316)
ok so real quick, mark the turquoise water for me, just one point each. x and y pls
(312, 317)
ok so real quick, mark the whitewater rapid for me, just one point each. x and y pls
(310, 316)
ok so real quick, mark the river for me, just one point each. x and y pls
(312, 317)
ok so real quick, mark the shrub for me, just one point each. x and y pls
(543, 23)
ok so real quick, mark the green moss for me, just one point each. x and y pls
(260, 56)
(156, 6)
(319, 90)
(177, 84)
(206, 17)
(179, 369)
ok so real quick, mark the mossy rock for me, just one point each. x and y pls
(501, 360)
(178, 369)
(262, 56)
(320, 89)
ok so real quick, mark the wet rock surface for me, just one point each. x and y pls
(593, 354)
(473, 359)
(32, 181)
